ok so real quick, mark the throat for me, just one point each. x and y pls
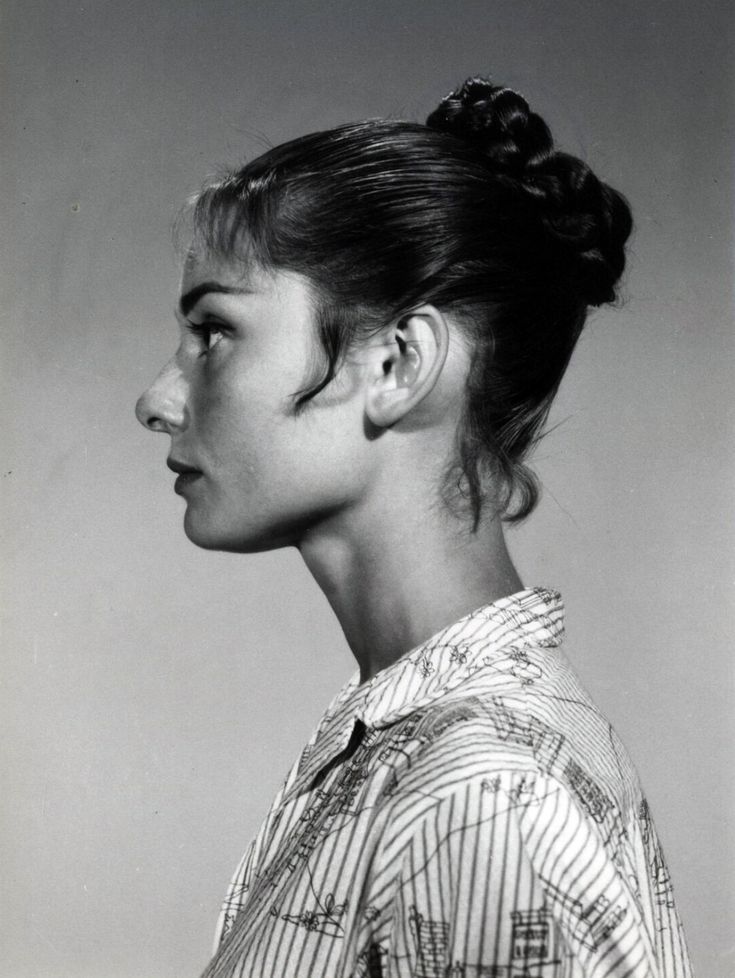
(393, 587)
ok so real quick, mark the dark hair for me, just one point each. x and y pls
(476, 213)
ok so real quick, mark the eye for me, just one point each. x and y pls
(208, 333)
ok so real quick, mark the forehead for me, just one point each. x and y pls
(205, 274)
(201, 267)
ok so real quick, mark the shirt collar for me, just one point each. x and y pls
(534, 616)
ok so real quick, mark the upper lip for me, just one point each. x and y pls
(181, 467)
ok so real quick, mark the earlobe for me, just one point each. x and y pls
(413, 352)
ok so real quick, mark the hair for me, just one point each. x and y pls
(475, 212)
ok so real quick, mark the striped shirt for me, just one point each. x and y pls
(467, 813)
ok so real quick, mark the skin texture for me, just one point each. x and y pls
(226, 400)
(353, 480)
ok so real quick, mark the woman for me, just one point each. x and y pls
(374, 321)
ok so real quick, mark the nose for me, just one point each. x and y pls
(163, 406)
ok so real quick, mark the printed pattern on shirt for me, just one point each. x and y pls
(466, 813)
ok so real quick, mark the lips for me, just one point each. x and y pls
(187, 474)
(181, 467)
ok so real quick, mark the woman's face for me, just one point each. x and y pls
(254, 474)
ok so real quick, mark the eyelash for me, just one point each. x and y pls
(204, 331)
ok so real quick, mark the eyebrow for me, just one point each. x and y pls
(190, 298)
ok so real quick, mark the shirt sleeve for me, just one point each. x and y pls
(509, 876)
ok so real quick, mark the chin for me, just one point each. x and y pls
(209, 535)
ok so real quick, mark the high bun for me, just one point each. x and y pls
(475, 212)
(588, 220)
(499, 122)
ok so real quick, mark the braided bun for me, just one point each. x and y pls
(585, 221)
(498, 121)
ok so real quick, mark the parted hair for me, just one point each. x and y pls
(475, 212)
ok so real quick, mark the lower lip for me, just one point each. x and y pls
(185, 480)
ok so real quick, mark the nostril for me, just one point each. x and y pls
(162, 406)
(143, 411)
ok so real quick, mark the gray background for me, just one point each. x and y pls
(153, 695)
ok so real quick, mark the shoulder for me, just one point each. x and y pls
(463, 740)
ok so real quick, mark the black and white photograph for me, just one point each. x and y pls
(367, 549)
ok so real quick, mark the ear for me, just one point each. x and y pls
(407, 364)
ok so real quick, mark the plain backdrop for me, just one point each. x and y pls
(154, 695)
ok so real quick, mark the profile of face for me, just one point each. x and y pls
(254, 472)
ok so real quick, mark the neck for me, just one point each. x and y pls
(394, 582)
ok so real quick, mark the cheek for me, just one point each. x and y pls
(219, 406)
(241, 425)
